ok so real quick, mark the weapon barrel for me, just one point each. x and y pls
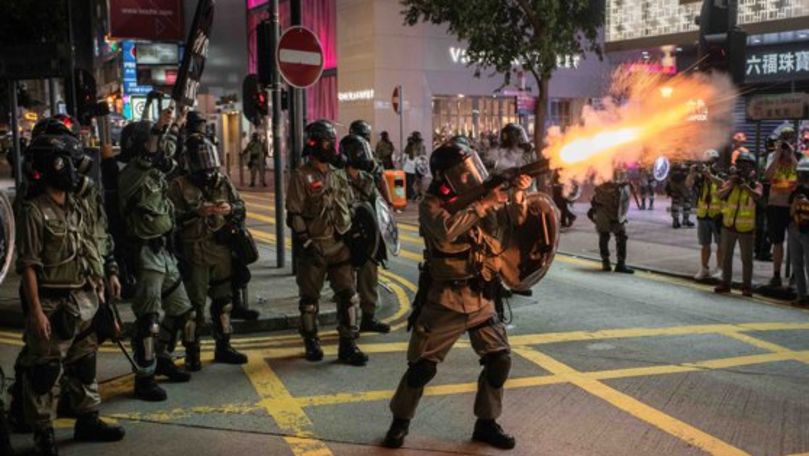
(507, 175)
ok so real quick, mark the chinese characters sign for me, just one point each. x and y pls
(777, 63)
(777, 107)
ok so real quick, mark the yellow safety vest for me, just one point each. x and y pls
(709, 204)
(784, 179)
(801, 214)
(739, 211)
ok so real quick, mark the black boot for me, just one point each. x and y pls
(146, 389)
(488, 431)
(622, 267)
(397, 432)
(63, 409)
(349, 353)
(675, 223)
(313, 350)
(166, 367)
(643, 204)
(5, 435)
(225, 353)
(45, 442)
(89, 428)
(606, 266)
(243, 313)
(193, 362)
(16, 417)
(371, 324)
(687, 222)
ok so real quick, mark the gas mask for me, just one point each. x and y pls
(62, 174)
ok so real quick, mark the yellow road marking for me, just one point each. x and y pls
(634, 407)
(280, 404)
(769, 346)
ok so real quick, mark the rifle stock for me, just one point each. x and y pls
(495, 180)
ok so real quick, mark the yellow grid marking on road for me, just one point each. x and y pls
(631, 405)
(283, 408)
(769, 346)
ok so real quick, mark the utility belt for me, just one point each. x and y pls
(61, 293)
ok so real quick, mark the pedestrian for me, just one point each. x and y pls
(452, 299)
(609, 209)
(62, 265)
(646, 187)
(737, 146)
(763, 247)
(739, 195)
(257, 153)
(318, 206)
(206, 204)
(782, 175)
(359, 163)
(709, 214)
(149, 217)
(385, 151)
(409, 168)
(679, 188)
(799, 233)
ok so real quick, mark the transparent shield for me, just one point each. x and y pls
(661, 168)
(467, 175)
(6, 237)
(387, 227)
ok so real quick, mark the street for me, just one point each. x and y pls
(603, 364)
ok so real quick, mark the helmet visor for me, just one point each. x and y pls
(466, 175)
(203, 157)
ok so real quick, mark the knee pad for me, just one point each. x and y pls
(348, 307)
(220, 311)
(190, 327)
(420, 373)
(84, 369)
(42, 377)
(496, 367)
(146, 333)
(308, 308)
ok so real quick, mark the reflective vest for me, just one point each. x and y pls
(784, 179)
(709, 204)
(739, 211)
(800, 215)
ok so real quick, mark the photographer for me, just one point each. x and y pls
(782, 174)
(740, 194)
(709, 214)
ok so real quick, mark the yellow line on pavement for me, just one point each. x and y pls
(634, 407)
(765, 345)
(283, 408)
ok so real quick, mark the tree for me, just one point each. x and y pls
(531, 34)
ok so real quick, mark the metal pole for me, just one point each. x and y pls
(52, 95)
(70, 83)
(296, 116)
(277, 156)
(401, 122)
(15, 136)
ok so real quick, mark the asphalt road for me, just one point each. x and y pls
(604, 364)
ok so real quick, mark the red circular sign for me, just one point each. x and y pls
(300, 57)
(394, 100)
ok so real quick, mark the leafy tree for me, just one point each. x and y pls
(534, 33)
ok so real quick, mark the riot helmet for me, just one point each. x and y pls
(50, 159)
(458, 166)
(357, 152)
(513, 135)
(135, 140)
(201, 156)
(461, 140)
(195, 122)
(361, 128)
(60, 124)
(321, 142)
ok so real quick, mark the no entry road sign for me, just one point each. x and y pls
(300, 57)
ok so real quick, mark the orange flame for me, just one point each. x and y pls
(646, 115)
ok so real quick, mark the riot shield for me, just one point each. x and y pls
(363, 236)
(661, 168)
(529, 248)
(387, 227)
(7, 236)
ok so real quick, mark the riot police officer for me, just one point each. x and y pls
(679, 188)
(461, 265)
(363, 129)
(319, 214)
(62, 265)
(205, 202)
(515, 148)
(149, 217)
(609, 208)
(359, 162)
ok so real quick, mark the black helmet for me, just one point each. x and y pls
(357, 152)
(135, 140)
(321, 142)
(746, 156)
(461, 140)
(513, 135)
(361, 128)
(458, 166)
(50, 158)
(201, 154)
(195, 122)
(53, 126)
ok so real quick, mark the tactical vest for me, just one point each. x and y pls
(67, 254)
(739, 211)
(200, 228)
(148, 210)
(326, 202)
(469, 256)
(800, 214)
(784, 179)
(709, 204)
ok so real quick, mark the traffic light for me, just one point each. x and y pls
(262, 103)
(254, 99)
(86, 104)
(265, 52)
(722, 45)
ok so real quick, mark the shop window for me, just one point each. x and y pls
(560, 112)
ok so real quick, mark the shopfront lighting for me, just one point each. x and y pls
(460, 95)
(356, 95)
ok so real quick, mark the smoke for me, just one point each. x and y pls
(643, 117)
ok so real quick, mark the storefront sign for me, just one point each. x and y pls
(146, 19)
(157, 54)
(459, 55)
(356, 95)
(778, 107)
(788, 62)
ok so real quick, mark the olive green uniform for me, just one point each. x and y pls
(149, 217)
(318, 209)
(462, 262)
(53, 240)
(365, 190)
(256, 152)
(209, 262)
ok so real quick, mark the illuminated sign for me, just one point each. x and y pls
(777, 63)
(459, 55)
(356, 95)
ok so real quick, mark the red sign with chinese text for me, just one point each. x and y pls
(154, 20)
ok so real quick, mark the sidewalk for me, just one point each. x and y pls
(653, 244)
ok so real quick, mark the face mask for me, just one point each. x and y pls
(63, 175)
